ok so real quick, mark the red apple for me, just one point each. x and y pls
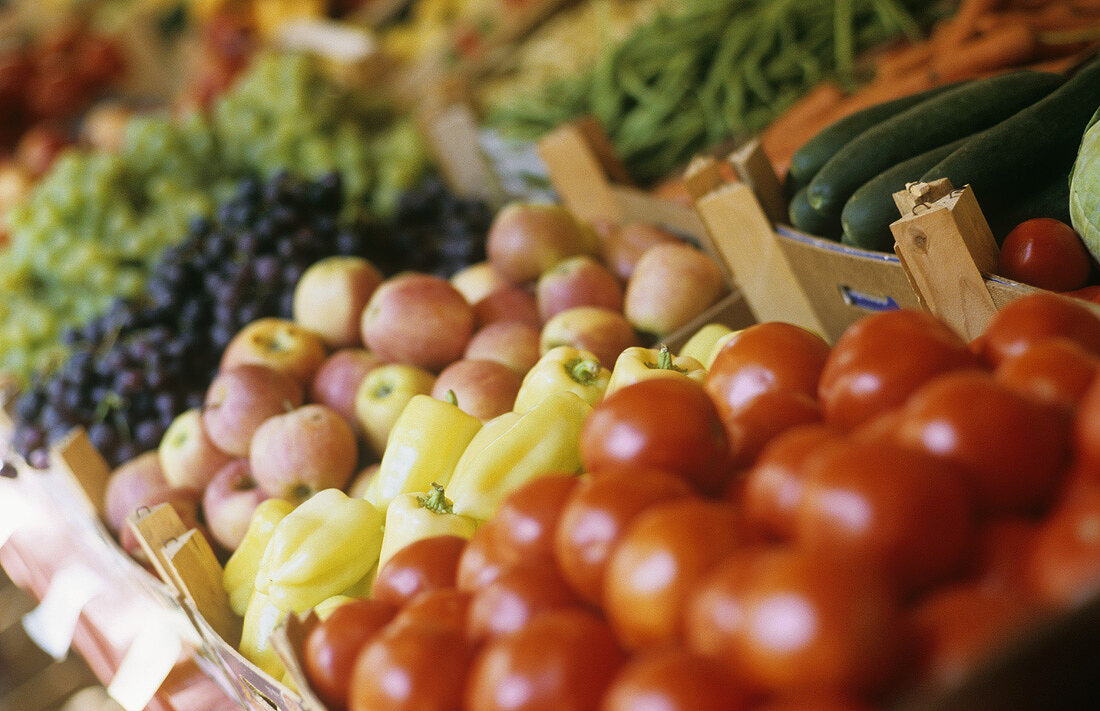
(358, 486)
(229, 501)
(104, 127)
(338, 379)
(477, 281)
(279, 344)
(331, 295)
(38, 148)
(577, 281)
(672, 284)
(299, 453)
(240, 399)
(604, 332)
(624, 246)
(131, 486)
(382, 396)
(418, 319)
(188, 457)
(482, 388)
(513, 343)
(526, 240)
(511, 303)
(186, 504)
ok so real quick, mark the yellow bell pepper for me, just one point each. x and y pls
(320, 549)
(260, 620)
(541, 441)
(239, 577)
(563, 368)
(361, 588)
(412, 517)
(702, 342)
(637, 363)
(426, 443)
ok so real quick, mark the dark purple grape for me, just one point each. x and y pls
(147, 434)
(126, 451)
(103, 437)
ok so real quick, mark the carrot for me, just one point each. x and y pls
(901, 63)
(1005, 46)
(961, 27)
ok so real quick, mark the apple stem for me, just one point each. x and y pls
(451, 398)
(583, 370)
(435, 501)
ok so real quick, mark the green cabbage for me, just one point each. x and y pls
(1084, 187)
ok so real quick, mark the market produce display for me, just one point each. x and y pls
(131, 371)
(96, 224)
(711, 71)
(595, 593)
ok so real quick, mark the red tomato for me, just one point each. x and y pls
(957, 628)
(1045, 253)
(1064, 566)
(526, 520)
(482, 560)
(1086, 429)
(508, 603)
(899, 510)
(1003, 549)
(666, 549)
(332, 646)
(596, 516)
(673, 679)
(880, 360)
(750, 428)
(1013, 449)
(764, 358)
(445, 606)
(416, 667)
(774, 485)
(563, 660)
(1056, 370)
(816, 702)
(790, 623)
(665, 423)
(427, 564)
(1037, 317)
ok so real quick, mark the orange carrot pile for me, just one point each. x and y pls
(984, 37)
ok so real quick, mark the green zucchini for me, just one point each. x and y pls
(810, 220)
(1022, 154)
(808, 159)
(868, 213)
(960, 112)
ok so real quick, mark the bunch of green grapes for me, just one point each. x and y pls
(96, 224)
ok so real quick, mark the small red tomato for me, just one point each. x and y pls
(1086, 429)
(764, 358)
(880, 360)
(774, 486)
(750, 428)
(957, 628)
(899, 510)
(665, 551)
(667, 423)
(427, 564)
(1056, 370)
(791, 623)
(415, 667)
(445, 606)
(1064, 567)
(673, 679)
(596, 516)
(508, 603)
(332, 646)
(1037, 317)
(1013, 449)
(563, 660)
(482, 560)
(526, 520)
(815, 702)
(1045, 253)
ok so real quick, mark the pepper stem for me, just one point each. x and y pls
(664, 361)
(583, 370)
(435, 501)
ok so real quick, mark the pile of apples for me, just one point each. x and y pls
(304, 405)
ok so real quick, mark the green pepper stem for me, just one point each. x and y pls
(435, 501)
(583, 370)
(664, 361)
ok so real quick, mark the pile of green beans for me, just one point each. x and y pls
(711, 71)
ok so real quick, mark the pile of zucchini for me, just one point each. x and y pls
(1012, 138)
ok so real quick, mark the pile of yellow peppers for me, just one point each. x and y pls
(442, 473)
